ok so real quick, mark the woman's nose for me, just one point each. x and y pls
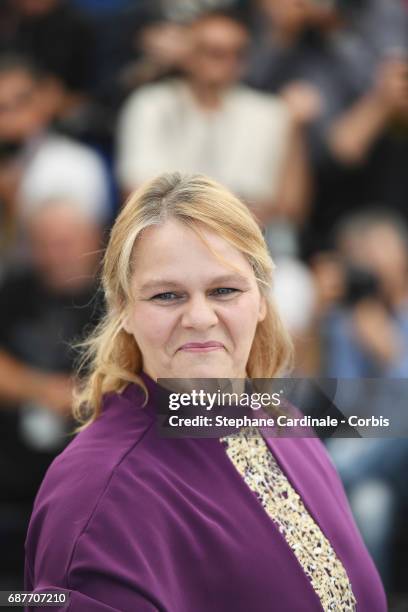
(199, 313)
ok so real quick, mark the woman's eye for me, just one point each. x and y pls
(221, 291)
(168, 296)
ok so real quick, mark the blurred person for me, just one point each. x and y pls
(161, 46)
(159, 50)
(368, 140)
(364, 31)
(282, 32)
(366, 336)
(118, 50)
(128, 519)
(63, 41)
(349, 94)
(208, 122)
(307, 48)
(31, 154)
(377, 28)
(24, 114)
(55, 36)
(43, 308)
(376, 243)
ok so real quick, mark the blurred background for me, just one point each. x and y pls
(300, 107)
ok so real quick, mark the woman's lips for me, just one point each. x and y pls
(201, 347)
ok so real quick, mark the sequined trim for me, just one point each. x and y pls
(252, 458)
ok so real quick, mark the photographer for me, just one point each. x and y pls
(366, 336)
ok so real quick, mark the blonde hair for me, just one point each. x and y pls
(112, 358)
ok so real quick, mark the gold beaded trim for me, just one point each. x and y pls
(252, 458)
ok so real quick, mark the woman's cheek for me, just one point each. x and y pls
(156, 323)
(245, 310)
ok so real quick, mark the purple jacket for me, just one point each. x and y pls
(133, 522)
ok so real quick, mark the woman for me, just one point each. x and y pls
(132, 521)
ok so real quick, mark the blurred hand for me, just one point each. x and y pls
(55, 392)
(391, 87)
(304, 101)
(376, 331)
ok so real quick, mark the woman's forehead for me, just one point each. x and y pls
(174, 248)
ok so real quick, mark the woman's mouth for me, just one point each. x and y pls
(201, 347)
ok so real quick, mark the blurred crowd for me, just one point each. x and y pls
(299, 106)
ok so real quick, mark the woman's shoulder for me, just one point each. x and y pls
(89, 460)
(79, 479)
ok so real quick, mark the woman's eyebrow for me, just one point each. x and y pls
(153, 284)
(228, 278)
(218, 280)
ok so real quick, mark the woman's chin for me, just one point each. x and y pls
(205, 371)
(214, 364)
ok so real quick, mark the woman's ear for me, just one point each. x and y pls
(262, 309)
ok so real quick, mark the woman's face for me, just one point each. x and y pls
(193, 316)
